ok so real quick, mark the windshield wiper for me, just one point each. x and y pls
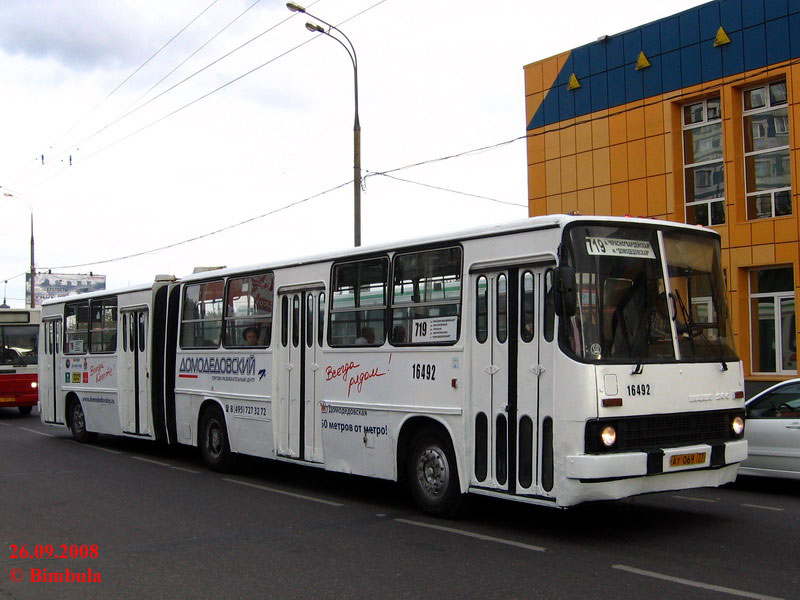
(691, 326)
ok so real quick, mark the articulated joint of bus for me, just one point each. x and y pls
(658, 444)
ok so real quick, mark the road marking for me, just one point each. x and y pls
(697, 584)
(763, 507)
(284, 492)
(6, 424)
(696, 499)
(109, 450)
(184, 469)
(38, 432)
(480, 536)
(150, 460)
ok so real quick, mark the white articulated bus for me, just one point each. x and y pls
(554, 360)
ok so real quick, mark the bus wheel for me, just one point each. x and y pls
(25, 410)
(77, 423)
(432, 474)
(214, 444)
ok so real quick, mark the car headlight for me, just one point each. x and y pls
(737, 425)
(609, 436)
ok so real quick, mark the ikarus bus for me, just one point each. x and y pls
(553, 361)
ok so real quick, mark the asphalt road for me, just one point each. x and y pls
(152, 522)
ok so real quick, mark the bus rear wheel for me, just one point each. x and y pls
(214, 444)
(433, 475)
(77, 424)
(25, 410)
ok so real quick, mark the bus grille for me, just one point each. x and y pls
(663, 431)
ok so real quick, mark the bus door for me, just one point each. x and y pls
(133, 374)
(299, 386)
(50, 382)
(505, 378)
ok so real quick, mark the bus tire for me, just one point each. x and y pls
(433, 474)
(25, 410)
(214, 444)
(77, 424)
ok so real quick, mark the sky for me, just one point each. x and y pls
(163, 122)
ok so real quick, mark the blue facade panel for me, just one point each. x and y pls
(730, 15)
(711, 62)
(775, 9)
(598, 89)
(671, 33)
(690, 65)
(733, 55)
(681, 54)
(597, 58)
(752, 12)
(709, 21)
(690, 27)
(755, 47)
(778, 36)
(671, 71)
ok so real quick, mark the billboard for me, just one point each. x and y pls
(55, 285)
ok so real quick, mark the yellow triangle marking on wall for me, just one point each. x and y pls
(642, 62)
(722, 38)
(573, 82)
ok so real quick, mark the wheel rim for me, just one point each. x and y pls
(433, 472)
(77, 418)
(215, 439)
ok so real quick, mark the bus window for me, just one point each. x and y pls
(321, 318)
(309, 321)
(19, 345)
(295, 320)
(502, 308)
(358, 303)
(549, 307)
(526, 315)
(284, 321)
(481, 310)
(248, 311)
(201, 323)
(103, 325)
(76, 330)
(426, 297)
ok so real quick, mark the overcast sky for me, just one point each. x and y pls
(436, 79)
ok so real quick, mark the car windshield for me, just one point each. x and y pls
(630, 310)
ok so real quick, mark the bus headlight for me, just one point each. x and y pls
(34, 384)
(737, 425)
(609, 436)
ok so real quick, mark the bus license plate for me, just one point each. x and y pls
(685, 460)
(7, 399)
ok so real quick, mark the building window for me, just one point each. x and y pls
(772, 321)
(703, 165)
(766, 151)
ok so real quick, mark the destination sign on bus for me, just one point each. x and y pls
(437, 329)
(597, 246)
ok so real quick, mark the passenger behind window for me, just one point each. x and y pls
(250, 336)
(367, 337)
(399, 334)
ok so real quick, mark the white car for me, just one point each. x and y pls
(773, 432)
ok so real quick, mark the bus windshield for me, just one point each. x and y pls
(19, 345)
(646, 296)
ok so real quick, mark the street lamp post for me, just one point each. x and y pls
(351, 51)
(9, 194)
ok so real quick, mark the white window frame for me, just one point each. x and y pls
(768, 107)
(715, 162)
(776, 303)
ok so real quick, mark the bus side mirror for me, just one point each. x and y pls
(564, 286)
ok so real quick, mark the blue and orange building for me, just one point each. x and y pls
(693, 118)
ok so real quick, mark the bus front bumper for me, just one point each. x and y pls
(619, 465)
